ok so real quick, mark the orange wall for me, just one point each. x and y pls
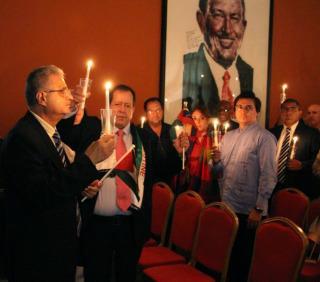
(294, 53)
(123, 38)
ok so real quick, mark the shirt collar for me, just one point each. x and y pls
(47, 127)
(126, 129)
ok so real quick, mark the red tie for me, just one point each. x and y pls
(226, 91)
(123, 191)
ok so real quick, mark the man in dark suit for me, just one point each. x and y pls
(166, 161)
(297, 172)
(43, 178)
(216, 71)
(112, 236)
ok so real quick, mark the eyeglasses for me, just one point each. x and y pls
(246, 108)
(63, 91)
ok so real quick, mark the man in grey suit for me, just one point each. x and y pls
(216, 72)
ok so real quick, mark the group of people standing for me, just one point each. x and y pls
(49, 165)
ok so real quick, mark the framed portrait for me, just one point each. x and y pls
(212, 50)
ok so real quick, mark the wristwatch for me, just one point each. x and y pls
(259, 210)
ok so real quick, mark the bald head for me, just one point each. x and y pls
(313, 116)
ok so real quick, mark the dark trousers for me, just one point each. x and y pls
(242, 251)
(110, 248)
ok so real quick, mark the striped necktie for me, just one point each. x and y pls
(284, 153)
(59, 147)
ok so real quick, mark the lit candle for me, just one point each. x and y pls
(283, 96)
(108, 111)
(226, 127)
(179, 129)
(143, 119)
(215, 123)
(293, 149)
(86, 83)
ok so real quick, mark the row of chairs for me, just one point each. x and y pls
(203, 236)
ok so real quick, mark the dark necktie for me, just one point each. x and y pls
(284, 153)
(123, 198)
(226, 91)
(59, 147)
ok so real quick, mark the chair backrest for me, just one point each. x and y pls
(217, 229)
(290, 203)
(186, 213)
(314, 211)
(162, 200)
(279, 251)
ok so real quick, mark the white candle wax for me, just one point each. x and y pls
(86, 83)
(143, 119)
(293, 149)
(108, 111)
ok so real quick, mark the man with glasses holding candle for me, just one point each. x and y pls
(43, 178)
(165, 159)
(295, 168)
(247, 161)
(215, 72)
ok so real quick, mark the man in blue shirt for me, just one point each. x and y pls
(248, 161)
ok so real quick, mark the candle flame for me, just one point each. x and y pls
(108, 85)
(89, 63)
(284, 87)
(226, 125)
(295, 139)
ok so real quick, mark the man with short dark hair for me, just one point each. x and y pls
(165, 159)
(296, 171)
(43, 178)
(216, 72)
(116, 223)
(247, 160)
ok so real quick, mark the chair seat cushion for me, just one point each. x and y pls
(153, 256)
(176, 273)
(150, 243)
(310, 272)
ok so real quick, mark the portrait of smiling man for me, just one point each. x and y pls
(216, 71)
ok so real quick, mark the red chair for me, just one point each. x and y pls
(314, 211)
(279, 250)
(311, 268)
(162, 200)
(186, 213)
(216, 233)
(290, 203)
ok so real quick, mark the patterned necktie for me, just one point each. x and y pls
(59, 147)
(123, 191)
(226, 91)
(284, 153)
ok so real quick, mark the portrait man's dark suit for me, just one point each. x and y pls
(200, 84)
(307, 148)
(41, 196)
